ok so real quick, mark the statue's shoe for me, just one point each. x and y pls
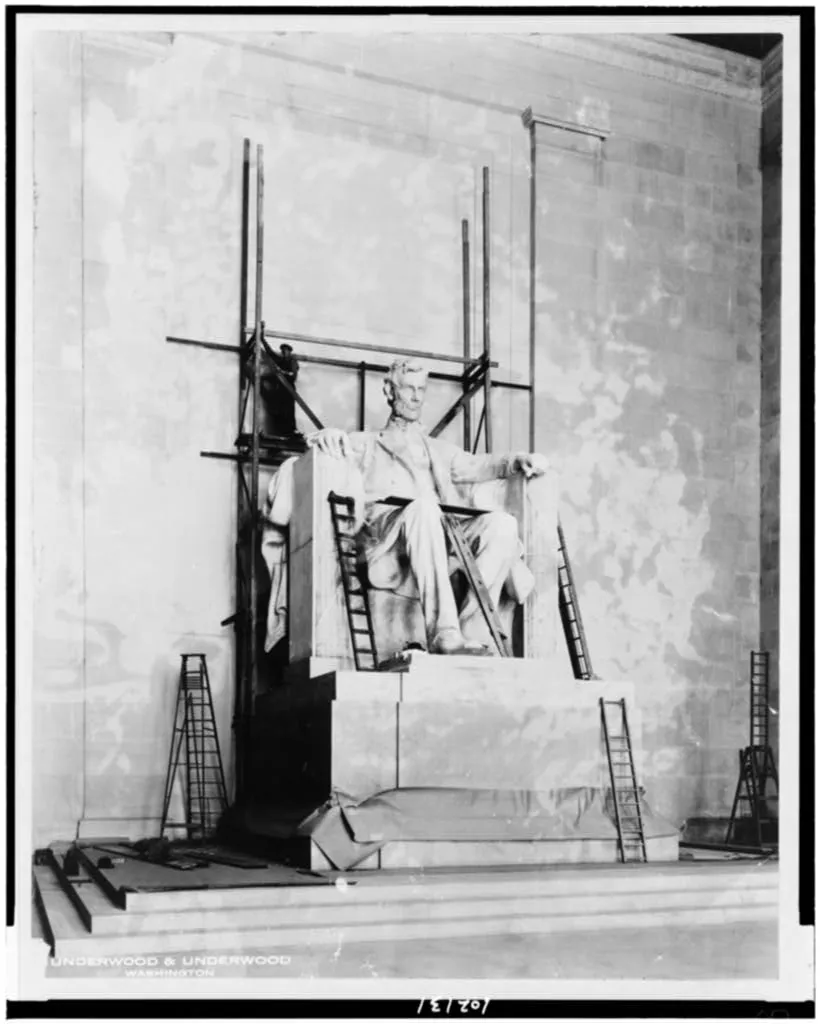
(452, 641)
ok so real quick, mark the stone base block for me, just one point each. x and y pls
(440, 722)
(480, 723)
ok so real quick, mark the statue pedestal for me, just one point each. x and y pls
(455, 723)
(438, 761)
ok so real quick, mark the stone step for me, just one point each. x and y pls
(416, 906)
(704, 884)
(370, 887)
(236, 940)
(398, 905)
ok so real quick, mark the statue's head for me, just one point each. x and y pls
(405, 386)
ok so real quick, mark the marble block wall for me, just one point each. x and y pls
(131, 539)
(647, 325)
(647, 343)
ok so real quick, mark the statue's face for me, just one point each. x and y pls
(408, 396)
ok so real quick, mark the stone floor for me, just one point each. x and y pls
(715, 952)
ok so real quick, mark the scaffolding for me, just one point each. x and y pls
(255, 448)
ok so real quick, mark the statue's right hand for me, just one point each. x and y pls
(331, 441)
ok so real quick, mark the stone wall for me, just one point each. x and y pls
(648, 395)
(772, 133)
(647, 342)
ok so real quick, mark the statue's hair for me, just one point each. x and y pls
(398, 368)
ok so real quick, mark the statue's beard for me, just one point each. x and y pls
(402, 412)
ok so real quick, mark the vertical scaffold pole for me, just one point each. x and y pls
(533, 198)
(253, 531)
(465, 279)
(243, 273)
(362, 395)
(485, 239)
(241, 598)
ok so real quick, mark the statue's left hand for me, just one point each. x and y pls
(533, 465)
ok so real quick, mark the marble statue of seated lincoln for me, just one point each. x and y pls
(406, 547)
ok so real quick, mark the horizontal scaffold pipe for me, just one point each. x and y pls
(365, 347)
(354, 365)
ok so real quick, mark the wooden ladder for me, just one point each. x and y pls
(626, 797)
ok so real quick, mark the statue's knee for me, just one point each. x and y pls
(503, 525)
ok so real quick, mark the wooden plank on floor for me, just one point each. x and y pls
(62, 915)
(144, 876)
(40, 923)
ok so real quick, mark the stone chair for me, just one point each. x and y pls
(319, 637)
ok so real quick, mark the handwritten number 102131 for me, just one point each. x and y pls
(461, 1007)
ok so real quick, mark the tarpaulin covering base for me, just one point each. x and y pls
(348, 830)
